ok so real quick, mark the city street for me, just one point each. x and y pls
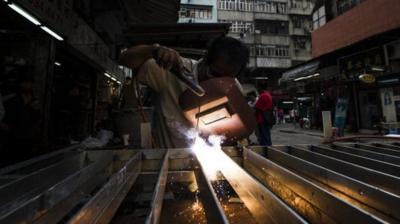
(286, 134)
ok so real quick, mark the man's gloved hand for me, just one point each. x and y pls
(167, 58)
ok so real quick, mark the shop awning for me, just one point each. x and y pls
(300, 71)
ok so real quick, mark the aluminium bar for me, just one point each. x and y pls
(366, 153)
(387, 146)
(264, 205)
(101, 201)
(378, 149)
(28, 186)
(375, 178)
(320, 206)
(381, 200)
(359, 160)
(158, 196)
(81, 181)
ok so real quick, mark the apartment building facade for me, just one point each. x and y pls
(198, 11)
(276, 31)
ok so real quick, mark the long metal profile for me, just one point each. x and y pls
(378, 179)
(378, 149)
(320, 206)
(211, 204)
(374, 164)
(33, 208)
(158, 197)
(35, 163)
(381, 200)
(367, 153)
(387, 146)
(29, 186)
(265, 206)
(101, 201)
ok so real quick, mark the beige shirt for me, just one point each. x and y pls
(170, 127)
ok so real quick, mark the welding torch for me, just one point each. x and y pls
(183, 75)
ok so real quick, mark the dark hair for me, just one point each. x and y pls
(233, 51)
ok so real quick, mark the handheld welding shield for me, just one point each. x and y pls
(222, 110)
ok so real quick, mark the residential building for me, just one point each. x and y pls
(276, 31)
(198, 11)
(355, 48)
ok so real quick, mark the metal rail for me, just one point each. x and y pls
(261, 202)
(379, 179)
(378, 149)
(311, 201)
(367, 194)
(374, 164)
(367, 153)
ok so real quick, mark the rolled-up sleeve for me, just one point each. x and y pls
(153, 75)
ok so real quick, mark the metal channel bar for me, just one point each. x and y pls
(119, 182)
(386, 146)
(24, 188)
(264, 205)
(378, 149)
(41, 205)
(381, 200)
(158, 196)
(320, 206)
(378, 179)
(359, 160)
(366, 153)
(212, 207)
(36, 162)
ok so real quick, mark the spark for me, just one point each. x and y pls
(208, 154)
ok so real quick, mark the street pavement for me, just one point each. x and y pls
(286, 134)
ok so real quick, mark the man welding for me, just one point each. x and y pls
(156, 66)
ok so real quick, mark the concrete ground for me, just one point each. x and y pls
(286, 134)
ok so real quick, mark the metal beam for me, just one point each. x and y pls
(158, 196)
(359, 160)
(82, 181)
(378, 149)
(265, 206)
(366, 153)
(378, 179)
(307, 198)
(387, 146)
(381, 200)
(101, 201)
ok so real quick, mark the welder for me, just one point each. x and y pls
(156, 66)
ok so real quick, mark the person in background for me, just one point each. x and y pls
(22, 119)
(280, 115)
(265, 118)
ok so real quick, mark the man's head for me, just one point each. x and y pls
(227, 56)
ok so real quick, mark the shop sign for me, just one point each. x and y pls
(367, 78)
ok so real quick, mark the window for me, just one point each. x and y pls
(239, 26)
(319, 18)
(237, 5)
(272, 27)
(300, 43)
(272, 51)
(345, 5)
(195, 12)
(297, 22)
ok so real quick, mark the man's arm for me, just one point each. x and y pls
(135, 57)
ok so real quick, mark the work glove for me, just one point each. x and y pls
(167, 58)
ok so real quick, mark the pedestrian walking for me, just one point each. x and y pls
(265, 118)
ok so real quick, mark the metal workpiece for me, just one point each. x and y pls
(307, 198)
(367, 153)
(379, 179)
(279, 184)
(261, 202)
(341, 185)
(371, 163)
(379, 149)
